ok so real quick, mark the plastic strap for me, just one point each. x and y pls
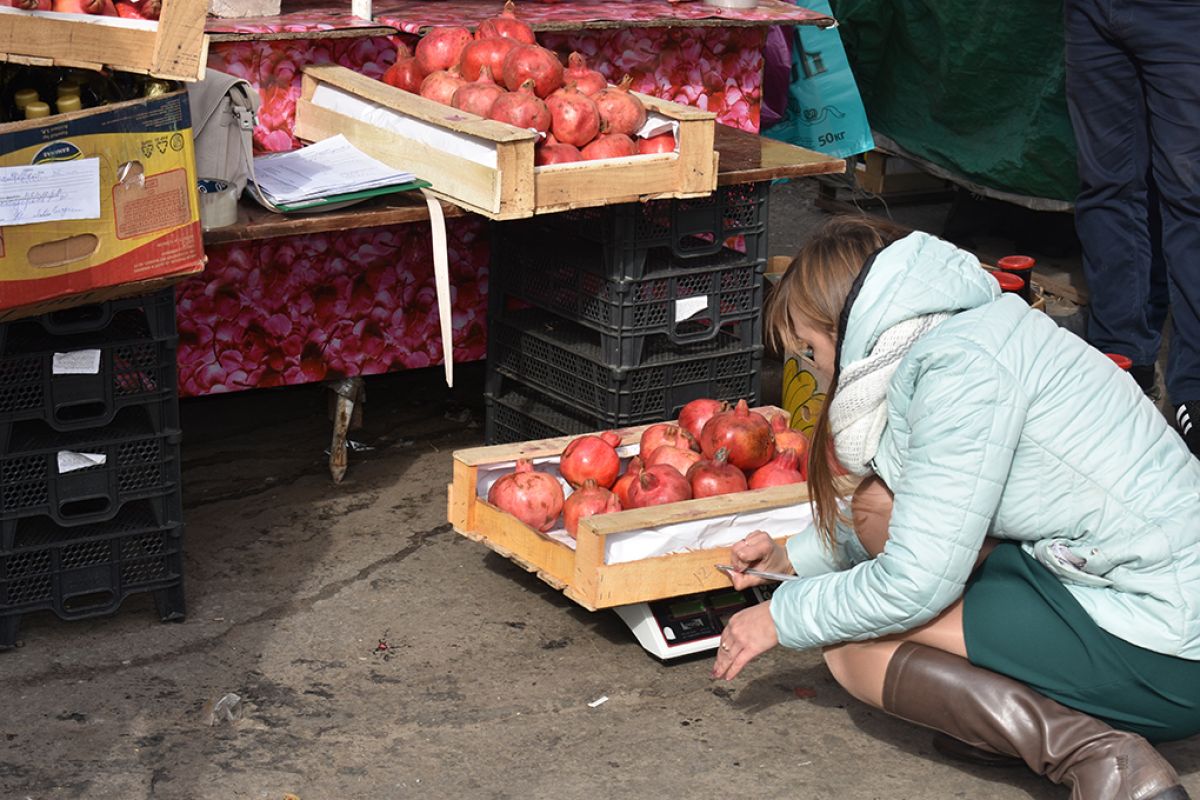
(441, 279)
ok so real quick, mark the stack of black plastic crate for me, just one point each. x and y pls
(620, 315)
(90, 502)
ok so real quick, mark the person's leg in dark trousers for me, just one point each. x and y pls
(1108, 113)
(1165, 36)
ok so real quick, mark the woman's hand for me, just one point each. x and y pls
(757, 551)
(749, 634)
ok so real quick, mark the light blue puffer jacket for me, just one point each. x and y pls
(1000, 423)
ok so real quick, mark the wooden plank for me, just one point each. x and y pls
(655, 578)
(749, 158)
(673, 110)
(174, 48)
(476, 183)
(704, 508)
(255, 222)
(415, 106)
(506, 531)
(461, 501)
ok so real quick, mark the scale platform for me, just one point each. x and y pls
(683, 626)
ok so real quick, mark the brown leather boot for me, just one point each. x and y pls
(991, 712)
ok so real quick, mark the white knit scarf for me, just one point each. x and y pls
(858, 413)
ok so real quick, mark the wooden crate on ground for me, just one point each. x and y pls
(884, 174)
(174, 47)
(584, 573)
(487, 167)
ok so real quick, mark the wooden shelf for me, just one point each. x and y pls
(745, 158)
(750, 158)
(255, 222)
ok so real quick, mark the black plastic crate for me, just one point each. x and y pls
(35, 479)
(687, 302)
(688, 229)
(154, 313)
(566, 362)
(127, 367)
(91, 572)
(514, 413)
(166, 510)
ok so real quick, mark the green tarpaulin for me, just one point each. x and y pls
(973, 87)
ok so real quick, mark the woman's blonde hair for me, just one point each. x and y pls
(813, 291)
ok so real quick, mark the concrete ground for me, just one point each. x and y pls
(377, 654)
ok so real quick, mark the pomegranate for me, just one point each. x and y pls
(531, 61)
(522, 108)
(779, 471)
(747, 436)
(716, 476)
(440, 86)
(406, 73)
(586, 80)
(506, 26)
(587, 501)
(485, 52)
(663, 143)
(573, 115)
(30, 5)
(620, 110)
(788, 439)
(609, 145)
(693, 416)
(591, 457)
(662, 433)
(132, 9)
(533, 497)
(770, 413)
(441, 48)
(478, 96)
(658, 485)
(621, 487)
(556, 153)
(678, 457)
(104, 7)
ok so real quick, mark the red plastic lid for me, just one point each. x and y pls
(1124, 362)
(1009, 283)
(1018, 263)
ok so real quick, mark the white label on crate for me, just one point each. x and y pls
(688, 307)
(49, 192)
(69, 461)
(77, 362)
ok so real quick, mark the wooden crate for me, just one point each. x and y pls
(884, 174)
(411, 133)
(175, 47)
(582, 573)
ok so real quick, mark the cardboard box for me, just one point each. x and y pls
(174, 47)
(148, 232)
(592, 573)
(486, 166)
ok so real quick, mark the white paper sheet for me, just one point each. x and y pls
(329, 167)
(51, 192)
(472, 148)
(70, 461)
(688, 307)
(77, 362)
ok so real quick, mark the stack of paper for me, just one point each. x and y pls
(321, 171)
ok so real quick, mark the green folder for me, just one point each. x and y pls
(308, 205)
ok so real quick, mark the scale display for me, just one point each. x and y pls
(681, 626)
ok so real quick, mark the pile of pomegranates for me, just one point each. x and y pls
(130, 9)
(500, 72)
(711, 449)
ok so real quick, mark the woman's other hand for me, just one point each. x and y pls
(749, 634)
(757, 551)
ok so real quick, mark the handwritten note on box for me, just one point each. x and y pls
(50, 192)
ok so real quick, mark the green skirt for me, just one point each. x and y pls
(1020, 621)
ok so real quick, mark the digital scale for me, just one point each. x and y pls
(683, 626)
